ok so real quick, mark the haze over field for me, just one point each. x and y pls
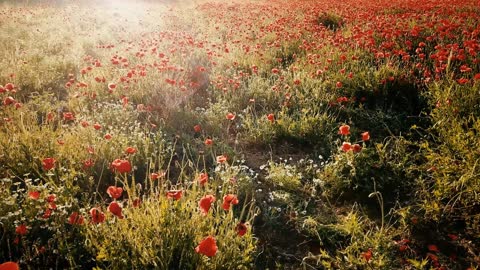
(239, 134)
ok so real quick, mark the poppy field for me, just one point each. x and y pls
(240, 134)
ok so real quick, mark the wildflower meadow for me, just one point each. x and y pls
(210, 134)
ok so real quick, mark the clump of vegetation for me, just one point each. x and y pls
(330, 21)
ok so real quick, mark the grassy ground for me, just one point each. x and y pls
(240, 135)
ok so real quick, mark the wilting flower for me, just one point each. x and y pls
(97, 216)
(205, 203)
(21, 229)
(115, 208)
(114, 192)
(75, 218)
(48, 163)
(365, 136)
(241, 229)
(228, 200)
(174, 194)
(9, 266)
(207, 247)
(121, 165)
(344, 130)
(136, 202)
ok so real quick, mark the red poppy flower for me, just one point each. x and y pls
(75, 218)
(205, 203)
(21, 229)
(433, 248)
(174, 194)
(203, 178)
(107, 136)
(84, 123)
(121, 165)
(97, 126)
(356, 148)
(48, 163)
(208, 141)
(9, 266)
(197, 128)
(367, 255)
(230, 116)
(477, 77)
(111, 86)
(68, 116)
(207, 247)
(115, 208)
(18, 105)
(125, 101)
(339, 84)
(88, 163)
(221, 159)
(8, 100)
(241, 229)
(34, 195)
(346, 146)
(432, 257)
(453, 237)
(344, 130)
(228, 200)
(365, 136)
(130, 150)
(462, 81)
(47, 213)
(97, 216)
(9, 86)
(271, 117)
(51, 198)
(50, 116)
(114, 192)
